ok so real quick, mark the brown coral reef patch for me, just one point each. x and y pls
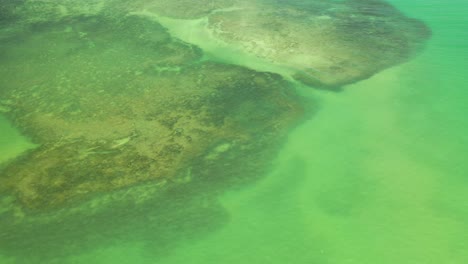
(322, 43)
(326, 44)
(126, 115)
(138, 132)
(107, 119)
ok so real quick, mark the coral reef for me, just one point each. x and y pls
(140, 127)
(326, 44)
(322, 43)
(125, 116)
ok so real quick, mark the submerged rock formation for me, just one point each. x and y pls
(125, 114)
(137, 126)
(325, 44)
(322, 43)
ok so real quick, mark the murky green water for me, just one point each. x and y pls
(376, 173)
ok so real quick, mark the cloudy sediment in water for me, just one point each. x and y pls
(169, 130)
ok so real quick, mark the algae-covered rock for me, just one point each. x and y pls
(131, 107)
(128, 119)
(323, 43)
(135, 125)
(8, 10)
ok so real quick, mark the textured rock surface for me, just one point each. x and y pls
(138, 126)
(322, 43)
(326, 43)
(127, 120)
(107, 118)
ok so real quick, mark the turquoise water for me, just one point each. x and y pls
(376, 175)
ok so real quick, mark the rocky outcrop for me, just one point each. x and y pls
(137, 126)
(324, 43)
(124, 114)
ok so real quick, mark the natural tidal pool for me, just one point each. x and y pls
(233, 131)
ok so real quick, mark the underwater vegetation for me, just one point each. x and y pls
(322, 43)
(326, 44)
(137, 126)
(114, 111)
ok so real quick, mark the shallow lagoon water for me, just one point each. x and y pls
(378, 174)
(12, 142)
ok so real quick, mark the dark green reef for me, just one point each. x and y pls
(138, 132)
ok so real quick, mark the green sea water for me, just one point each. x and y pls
(377, 175)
